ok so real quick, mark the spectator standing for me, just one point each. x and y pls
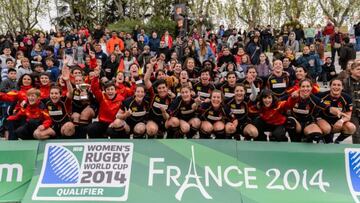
(309, 35)
(292, 43)
(327, 32)
(347, 52)
(310, 62)
(335, 41)
(319, 48)
(299, 33)
(266, 38)
(154, 44)
(114, 40)
(254, 49)
(129, 41)
(357, 36)
(98, 33)
(352, 87)
(167, 39)
(146, 38)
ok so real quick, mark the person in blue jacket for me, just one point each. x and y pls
(311, 62)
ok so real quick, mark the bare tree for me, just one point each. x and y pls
(337, 10)
(22, 15)
(250, 12)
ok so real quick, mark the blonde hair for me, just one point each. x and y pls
(33, 91)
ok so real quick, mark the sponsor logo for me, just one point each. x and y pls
(352, 165)
(91, 171)
(8, 171)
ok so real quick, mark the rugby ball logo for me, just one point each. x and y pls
(62, 167)
(352, 163)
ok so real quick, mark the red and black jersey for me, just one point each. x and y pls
(203, 91)
(208, 113)
(305, 110)
(295, 87)
(15, 96)
(276, 115)
(181, 109)
(239, 110)
(257, 82)
(177, 88)
(33, 112)
(156, 103)
(343, 103)
(124, 90)
(227, 90)
(44, 91)
(108, 108)
(193, 75)
(81, 98)
(278, 85)
(59, 112)
(139, 111)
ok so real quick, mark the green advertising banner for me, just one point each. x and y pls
(194, 171)
(17, 165)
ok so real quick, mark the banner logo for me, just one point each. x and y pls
(352, 164)
(91, 171)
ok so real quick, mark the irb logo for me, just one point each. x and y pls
(352, 163)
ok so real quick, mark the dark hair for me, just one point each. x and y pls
(11, 70)
(250, 67)
(303, 67)
(56, 87)
(140, 86)
(160, 82)
(109, 84)
(346, 40)
(332, 80)
(204, 70)
(230, 63)
(231, 73)
(45, 73)
(158, 71)
(21, 78)
(239, 85)
(76, 67)
(265, 93)
(9, 59)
